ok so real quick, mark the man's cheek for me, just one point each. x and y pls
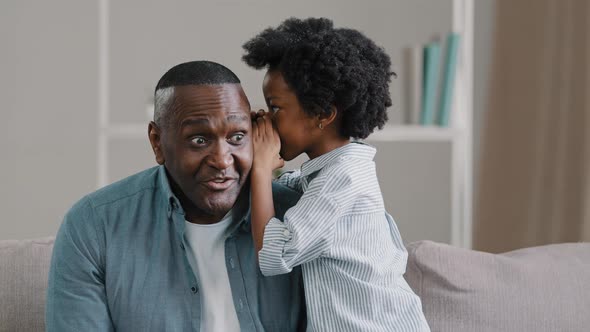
(244, 158)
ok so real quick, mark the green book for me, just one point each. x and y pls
(448, 80)
(430, 82)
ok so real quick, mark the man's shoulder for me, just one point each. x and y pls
(117, 191)
(283, 193)
(284, 198)
(85, 212)
(130, 186)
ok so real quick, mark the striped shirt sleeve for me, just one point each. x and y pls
(306, 233)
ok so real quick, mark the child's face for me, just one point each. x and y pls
(296, 128)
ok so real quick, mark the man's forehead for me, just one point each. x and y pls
(206, 120)
(207, 93)
(205, 100)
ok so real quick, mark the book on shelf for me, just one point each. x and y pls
(431, 59)
(413, 80)
(448, 80)
(430, 81)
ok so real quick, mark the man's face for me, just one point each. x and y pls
(206, 148)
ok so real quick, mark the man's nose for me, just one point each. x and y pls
(221, 157)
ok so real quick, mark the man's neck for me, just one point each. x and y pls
(202, 218)
(197, 216)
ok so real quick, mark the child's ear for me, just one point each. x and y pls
(326, 119)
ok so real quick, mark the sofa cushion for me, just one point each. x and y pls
(24, 268)
(538, 289)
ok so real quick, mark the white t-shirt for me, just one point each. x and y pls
(207, 259)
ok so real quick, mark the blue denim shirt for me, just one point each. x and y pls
(119, 263)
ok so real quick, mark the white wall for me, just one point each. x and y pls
(49, 88)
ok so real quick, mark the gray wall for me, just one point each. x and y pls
(49, 89)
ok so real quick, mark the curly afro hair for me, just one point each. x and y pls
(328, 67)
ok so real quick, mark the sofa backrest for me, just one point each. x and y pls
(24, 267)
(534, 289)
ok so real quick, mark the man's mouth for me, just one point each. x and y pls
(219, 184)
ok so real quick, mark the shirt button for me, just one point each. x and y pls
(241, 304)
(182, 246)
(287, 233)
(231, 263)
(194, 289)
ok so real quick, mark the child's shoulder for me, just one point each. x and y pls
(346, 174)
(348, 166)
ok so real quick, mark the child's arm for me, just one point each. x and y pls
(305, 234)
(307, 230)
(267, 146)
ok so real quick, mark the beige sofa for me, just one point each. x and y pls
(535, 289)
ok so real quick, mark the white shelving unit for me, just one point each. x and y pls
(414, 133)
(459, 135)
(462, 177)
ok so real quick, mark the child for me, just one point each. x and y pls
(324, 86)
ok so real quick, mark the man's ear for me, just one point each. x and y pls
(155, 136)
(326, 119)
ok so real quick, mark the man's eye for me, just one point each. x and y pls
(274, 109)
(236, 138)
(199, 140)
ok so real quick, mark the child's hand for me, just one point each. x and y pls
(266, 143)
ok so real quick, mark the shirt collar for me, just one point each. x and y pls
(172, 202)
(354, 149)
(240, 211)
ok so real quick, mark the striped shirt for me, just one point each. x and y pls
(349, 248)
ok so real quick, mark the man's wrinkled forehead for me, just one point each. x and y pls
(234, 118)
(204, 100)
(226, 96)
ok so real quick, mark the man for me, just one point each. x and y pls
(170, 249)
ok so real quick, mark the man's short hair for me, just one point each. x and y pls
(188, 73)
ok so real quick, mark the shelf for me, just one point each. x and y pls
(401, 133)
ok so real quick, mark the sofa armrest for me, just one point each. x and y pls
(24, 268)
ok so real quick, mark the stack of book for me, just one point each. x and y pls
(428, 76)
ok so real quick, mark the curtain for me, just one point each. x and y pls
(534, 176)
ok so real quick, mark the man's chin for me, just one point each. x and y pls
(219, 202)
(220, 210)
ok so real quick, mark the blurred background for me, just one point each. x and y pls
(510, 169)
